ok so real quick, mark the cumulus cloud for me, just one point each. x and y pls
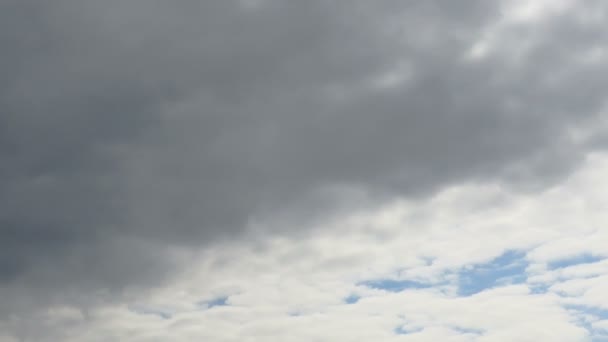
(139, 139)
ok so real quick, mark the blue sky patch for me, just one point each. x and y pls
(589, 310)
(220, 301)
(402, 330)
(539, 288)
(598, 313)
(392, 285)
(508, 268)
(352, 299)
(576, 260)
(468, 331)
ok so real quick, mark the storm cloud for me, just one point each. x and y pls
(130, 126)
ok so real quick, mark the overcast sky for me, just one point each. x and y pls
(315, 170)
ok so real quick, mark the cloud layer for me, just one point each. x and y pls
(139, 139)
(472, 263)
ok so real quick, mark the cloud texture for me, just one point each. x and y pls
(139, 139)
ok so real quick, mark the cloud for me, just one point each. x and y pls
(316, 287)
(134, 133)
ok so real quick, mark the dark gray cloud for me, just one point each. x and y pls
(128, 126)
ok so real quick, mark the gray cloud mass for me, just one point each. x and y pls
(129, 125)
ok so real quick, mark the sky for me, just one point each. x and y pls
(323, 170)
